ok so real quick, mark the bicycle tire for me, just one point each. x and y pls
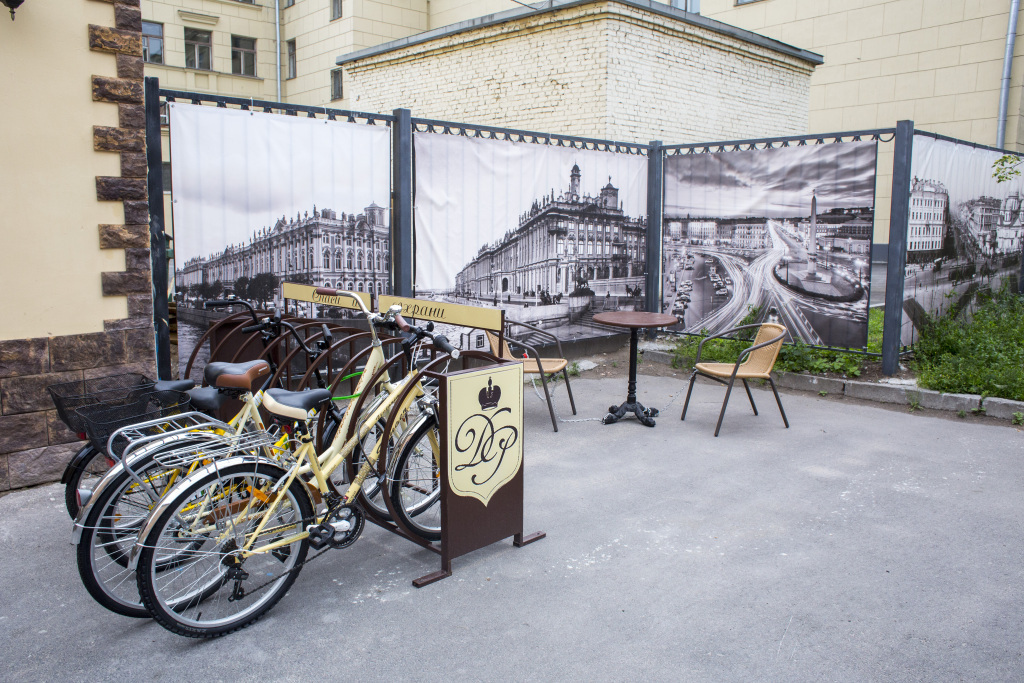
(89, 469)
(179, 600)
(111, 529)
(416, 483)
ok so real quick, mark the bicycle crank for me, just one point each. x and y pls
(339, 529)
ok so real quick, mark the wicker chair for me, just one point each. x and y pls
(533, 364)
(755, 362)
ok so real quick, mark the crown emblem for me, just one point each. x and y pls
(489, 396)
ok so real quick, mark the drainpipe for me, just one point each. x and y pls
(1004, 92)
(276, 42)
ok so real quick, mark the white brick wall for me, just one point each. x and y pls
(601, 70)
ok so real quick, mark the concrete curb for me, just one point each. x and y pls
(999, 408)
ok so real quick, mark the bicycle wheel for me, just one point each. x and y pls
(213, 587)
(112, 525)
(416, 484)
(370, 493)
(86, 474)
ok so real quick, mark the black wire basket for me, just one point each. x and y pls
(103, 419)
(68, 397)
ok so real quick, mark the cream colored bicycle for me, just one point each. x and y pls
(229, 540)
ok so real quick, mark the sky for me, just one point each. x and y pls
(471, 191)
(965, 171)
(775, 183)
(235, 172)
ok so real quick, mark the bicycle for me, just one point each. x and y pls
(115, 510)
(237, 531)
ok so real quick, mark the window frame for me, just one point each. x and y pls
(292, 61)
(337, 85)
(197, 45)
(242, 52)
(147, 37)
(337, 9)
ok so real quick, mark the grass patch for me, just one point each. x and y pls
(981, 355)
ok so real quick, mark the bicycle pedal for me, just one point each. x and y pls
(320, 535)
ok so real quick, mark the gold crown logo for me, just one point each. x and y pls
(490, 396)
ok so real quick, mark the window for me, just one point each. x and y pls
(153, 42)
(289, 3)
(335, 9)
(243, 56)
(292, 69)
(198, 49)
(165, 172)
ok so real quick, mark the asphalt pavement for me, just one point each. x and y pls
(862, 544)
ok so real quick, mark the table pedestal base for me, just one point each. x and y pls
(645, 415)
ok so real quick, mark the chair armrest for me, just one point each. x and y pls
(558, 343)
(529, 350)
(748, 351)
(720, 335)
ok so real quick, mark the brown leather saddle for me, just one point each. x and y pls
(242, 376)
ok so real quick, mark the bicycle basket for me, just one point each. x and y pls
(69, 396)
(103, 419)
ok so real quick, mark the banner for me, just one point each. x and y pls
(965, 230)
(550, 234)
(261, 198)
(782, 232)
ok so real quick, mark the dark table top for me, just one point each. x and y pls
(635, 319)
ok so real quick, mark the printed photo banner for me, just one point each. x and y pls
(783, 232)
(964, 232)
(550, 234)
(261, 198)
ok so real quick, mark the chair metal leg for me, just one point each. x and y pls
(547, 395)
(777, 400)
(569, 390)
(724, 404)
(689, 390)
(749, 395)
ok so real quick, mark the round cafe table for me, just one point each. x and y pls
(635, 321)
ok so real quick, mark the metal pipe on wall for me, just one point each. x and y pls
(1004, 91)
(276, 41)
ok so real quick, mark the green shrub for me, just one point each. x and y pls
(984, 355)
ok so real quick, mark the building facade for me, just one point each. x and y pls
(926, 234)
(562, 243)
(323, 249)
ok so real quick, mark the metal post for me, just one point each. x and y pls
(899, 216)
(655, 177)
(402, 198)
(157, 242)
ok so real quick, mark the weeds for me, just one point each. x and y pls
(1018, 418)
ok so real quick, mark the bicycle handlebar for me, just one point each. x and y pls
(222, 303)
(328, 291)
(441, 342)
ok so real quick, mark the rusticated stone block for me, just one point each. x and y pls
(130, 3)
(57, 432)
(106, 89)
(24, 357)
(110, 189)
(82, 351)
(127, 323)
(39, 465)
(147, 368)
(128, 282)
(123, 236)
(137, 259)
(141, 344)
(107, 139)
(140, 305)
(28, 394)
(131, 115)
(136, 212)
(133, 165)
(107, 39)
(21, 432)
(5, 483)
(128, 18)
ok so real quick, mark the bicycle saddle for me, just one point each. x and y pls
(207, 399)
(236, 375)
(294, 404)
(173, 385)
